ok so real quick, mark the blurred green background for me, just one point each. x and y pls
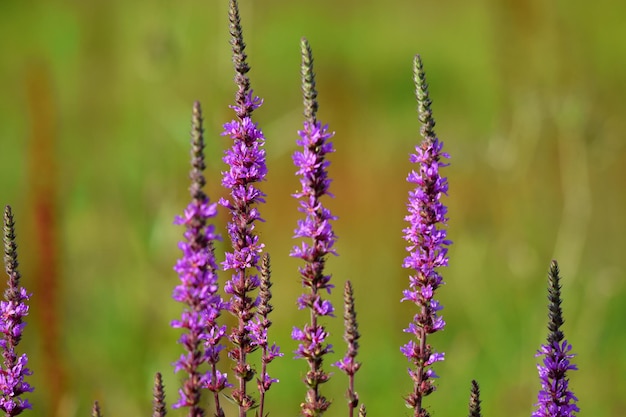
(95, 108)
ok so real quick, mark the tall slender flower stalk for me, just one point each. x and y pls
(198, 288)
(555, 399)
(427, 247)
(14, 309)
(351, 336)
(312, 169)
(246, 161)
(258, 328)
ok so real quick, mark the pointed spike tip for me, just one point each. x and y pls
(555, 312)
(474, 401)
(424, 111)
(309, 90)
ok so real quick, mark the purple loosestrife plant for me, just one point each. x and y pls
(427, 248)
(246, 161)
(348, 364)
(258, 328)
(312, 169)
(14, 309)
(198, 288)
(555, 398)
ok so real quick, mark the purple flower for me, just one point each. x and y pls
(12, 312)
(198, 288)
(427, 247)
(316, 226)
(246, 162)
(555, 398)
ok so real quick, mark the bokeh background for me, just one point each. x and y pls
(95, 105)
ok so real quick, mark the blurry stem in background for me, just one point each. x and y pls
(42, 188)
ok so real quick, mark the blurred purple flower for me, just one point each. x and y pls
(198, 288)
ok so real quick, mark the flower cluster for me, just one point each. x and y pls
(555, 398)
(316, 225)
(12, 312)
(246, 162)
(198, 287)
(427, 248)
(312, 170)
(249, 285)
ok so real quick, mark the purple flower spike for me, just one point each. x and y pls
(198, 288)
(351, 335)
(246, 162)
(427, 247)
(13, 310)
(258, 333)
(555, 398)
(312, 169)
